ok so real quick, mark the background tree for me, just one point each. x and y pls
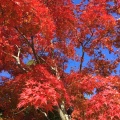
(51, 33)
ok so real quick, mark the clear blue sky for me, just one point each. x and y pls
(76, 1)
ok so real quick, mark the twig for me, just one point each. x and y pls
(20, 111)
(44, 114)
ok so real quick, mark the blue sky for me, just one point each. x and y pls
(75, 65)
(76, 1)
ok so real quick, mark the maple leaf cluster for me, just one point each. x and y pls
(38, 38)
(42, 90)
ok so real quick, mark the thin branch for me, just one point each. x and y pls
(82, 58)
(81, 61)
(30, 44)
(18, 51)
(33, 49)
(45, 114)
(83, 52)
(16, 58)
(89, 39)
(23, 36)
(20, 111)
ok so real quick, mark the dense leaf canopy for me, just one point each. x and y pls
(38, 38)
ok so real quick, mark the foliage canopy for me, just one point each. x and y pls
(52, 32)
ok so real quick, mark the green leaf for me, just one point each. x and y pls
(31, 62)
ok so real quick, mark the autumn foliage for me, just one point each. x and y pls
(39, 38)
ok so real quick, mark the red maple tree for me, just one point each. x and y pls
(52, 32)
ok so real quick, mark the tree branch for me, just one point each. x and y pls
(33, 49)
(31, 45)
(61, 110)
(83, 52)
(81, 61)
(45, 114)
(89, 39)
(20, 111)
(17, 58)
(62, 113)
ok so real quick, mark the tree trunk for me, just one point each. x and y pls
(63, 115)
